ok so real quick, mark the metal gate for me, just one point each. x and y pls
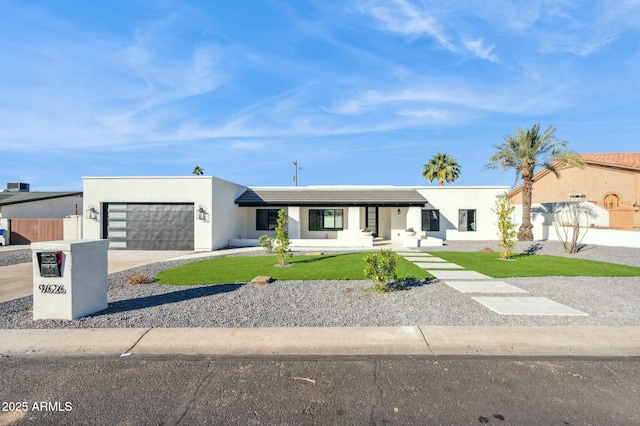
(149, 226)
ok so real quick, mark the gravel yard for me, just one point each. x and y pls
(608, 301)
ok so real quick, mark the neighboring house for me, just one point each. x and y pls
(206, 213)
(610, 181)
(36, 216)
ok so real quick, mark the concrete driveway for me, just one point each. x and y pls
(17, 280)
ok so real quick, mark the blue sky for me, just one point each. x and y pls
(357, 91)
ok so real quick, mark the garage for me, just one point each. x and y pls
(149, 226)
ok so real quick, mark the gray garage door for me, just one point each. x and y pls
(148, 226)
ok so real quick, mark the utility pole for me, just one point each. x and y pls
(295, 176)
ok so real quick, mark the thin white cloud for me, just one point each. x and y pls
(478, 48)
(560, 26)
(88, 91)
(531, 92)
(405, 18)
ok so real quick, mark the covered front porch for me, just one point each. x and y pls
(319, 217)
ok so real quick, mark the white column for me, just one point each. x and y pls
(414, 219)
(353, 220)
(294, 222)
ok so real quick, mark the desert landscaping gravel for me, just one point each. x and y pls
(13, 257)
(608, 301)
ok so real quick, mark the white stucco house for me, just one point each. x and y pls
(207, 213)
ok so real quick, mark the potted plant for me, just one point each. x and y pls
(410, 232)
(366, 232)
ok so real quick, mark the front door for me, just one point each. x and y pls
(372, 220)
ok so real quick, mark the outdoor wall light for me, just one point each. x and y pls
(399, 212)
(91, 213)
(202, 213)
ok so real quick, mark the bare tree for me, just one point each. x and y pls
(571, 221)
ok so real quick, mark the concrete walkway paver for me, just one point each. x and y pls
(425, 259)
(459, 275)
(437, 265)
(484, 287)
(527, 306)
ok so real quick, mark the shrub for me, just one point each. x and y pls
(381, 268)
(267, 243)
(136, 278)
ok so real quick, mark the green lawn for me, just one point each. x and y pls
(242, 269)
(536, 265)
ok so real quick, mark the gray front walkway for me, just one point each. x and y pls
(466, 281)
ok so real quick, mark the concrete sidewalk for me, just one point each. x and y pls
(588, 341)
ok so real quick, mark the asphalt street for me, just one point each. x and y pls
(323, 390)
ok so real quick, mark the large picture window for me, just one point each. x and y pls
(431, 220)
(466, 220)
(326, 220)
(266, 219)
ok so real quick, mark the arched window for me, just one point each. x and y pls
(611, 201)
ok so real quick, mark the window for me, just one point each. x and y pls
(266, 219)
(611, 201)
(430, 220)
(466, 220)
(326, 220)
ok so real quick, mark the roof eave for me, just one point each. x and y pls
(337, 203)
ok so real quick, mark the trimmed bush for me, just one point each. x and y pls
(381, 268)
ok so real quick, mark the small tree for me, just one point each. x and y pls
(567, 220)
(282, 242)
(197, 171)
(381, 268)
(506, 226)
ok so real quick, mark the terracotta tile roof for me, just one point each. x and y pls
(628, 160)
(623, 159)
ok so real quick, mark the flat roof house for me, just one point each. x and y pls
(207, 213)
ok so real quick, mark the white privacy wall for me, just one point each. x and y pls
(450, 199)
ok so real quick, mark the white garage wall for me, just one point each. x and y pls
(228, 219)
(187, 189)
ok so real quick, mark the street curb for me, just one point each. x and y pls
(578, 341)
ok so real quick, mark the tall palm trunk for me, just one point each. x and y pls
(525, 233)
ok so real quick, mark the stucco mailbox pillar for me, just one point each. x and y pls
(69, 278)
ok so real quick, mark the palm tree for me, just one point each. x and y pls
(526, 151)
(197, 171)
(442, 167)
